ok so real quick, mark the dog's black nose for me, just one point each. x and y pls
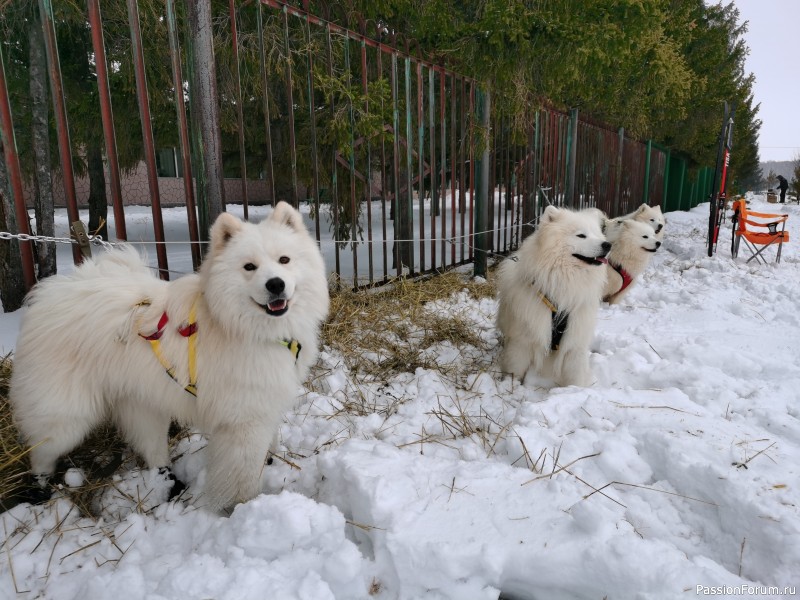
(658, 229)
(658, 244)
(275, 285)
(606, 246)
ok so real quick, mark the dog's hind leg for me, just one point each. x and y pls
(146, 430)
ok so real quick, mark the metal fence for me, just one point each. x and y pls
(338, 116)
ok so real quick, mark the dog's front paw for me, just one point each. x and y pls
(178, 486)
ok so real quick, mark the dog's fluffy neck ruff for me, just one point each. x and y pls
(559, 285)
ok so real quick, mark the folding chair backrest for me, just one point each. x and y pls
(753, 231)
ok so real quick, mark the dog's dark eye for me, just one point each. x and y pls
(250, 267)
(582, 235)
(283, 260)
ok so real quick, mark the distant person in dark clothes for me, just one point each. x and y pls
(783, 185)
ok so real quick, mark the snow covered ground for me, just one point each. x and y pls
(675, 474)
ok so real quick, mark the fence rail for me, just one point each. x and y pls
(382, 146)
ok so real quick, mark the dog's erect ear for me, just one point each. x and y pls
(224, 228)
(551, 213)
(285, 214)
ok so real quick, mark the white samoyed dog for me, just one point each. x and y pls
(633, 244)
(224, 349)
(651, 215)
(549, 294)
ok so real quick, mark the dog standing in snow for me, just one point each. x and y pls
(224, 349)
(549, 293)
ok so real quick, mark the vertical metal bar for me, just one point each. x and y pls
(265, 97)
(482, 112)
(618, 172)
(432, 150)
(453, 165)
(9, 149)
(502, 209)
(368, 182)
(239, 108)
(312, 118)
(408, 220)
(396, 168)
(183, 128)
(462, 192)
(472, 139)
(334, 192)
(106, 114)
(646, 194)
(60, 113)
(572, 157)
(147, 135)
(421, 167)
(668, 164)
(443, 150)
(351, 163)
(290, 108)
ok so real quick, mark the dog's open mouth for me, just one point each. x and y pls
(276, 307)
(650, 249)
(591, 260)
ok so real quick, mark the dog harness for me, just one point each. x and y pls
(189, 331)
(626, 280)
(558, 323)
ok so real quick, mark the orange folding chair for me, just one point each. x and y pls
(758, 235)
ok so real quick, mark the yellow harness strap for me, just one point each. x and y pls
(190, 333)
(294, 347)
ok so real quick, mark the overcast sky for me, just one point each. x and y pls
(775, 61)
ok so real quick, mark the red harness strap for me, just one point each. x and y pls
(626, 280)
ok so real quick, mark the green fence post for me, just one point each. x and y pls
(649, 151)
(482, 113)
(572, 153)
(666, 180)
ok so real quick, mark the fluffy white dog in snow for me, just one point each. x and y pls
(549, 294)
(633, 244)
(224, 349)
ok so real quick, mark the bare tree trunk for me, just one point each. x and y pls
(98, 203)
(204, 104)
(12, 281)
(40, 127)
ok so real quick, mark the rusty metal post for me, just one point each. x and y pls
(147, 135)
(351, 166)
(106, 114)
(618, 172)
(483, 109)
(183, 127)
(239, 108)
(60, 113)
(9, 149)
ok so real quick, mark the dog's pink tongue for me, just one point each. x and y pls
(602, 259)
(277, 305)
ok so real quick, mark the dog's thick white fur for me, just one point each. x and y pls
(80, 357)
(563, 261)
(651, 215)
(633, 244)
